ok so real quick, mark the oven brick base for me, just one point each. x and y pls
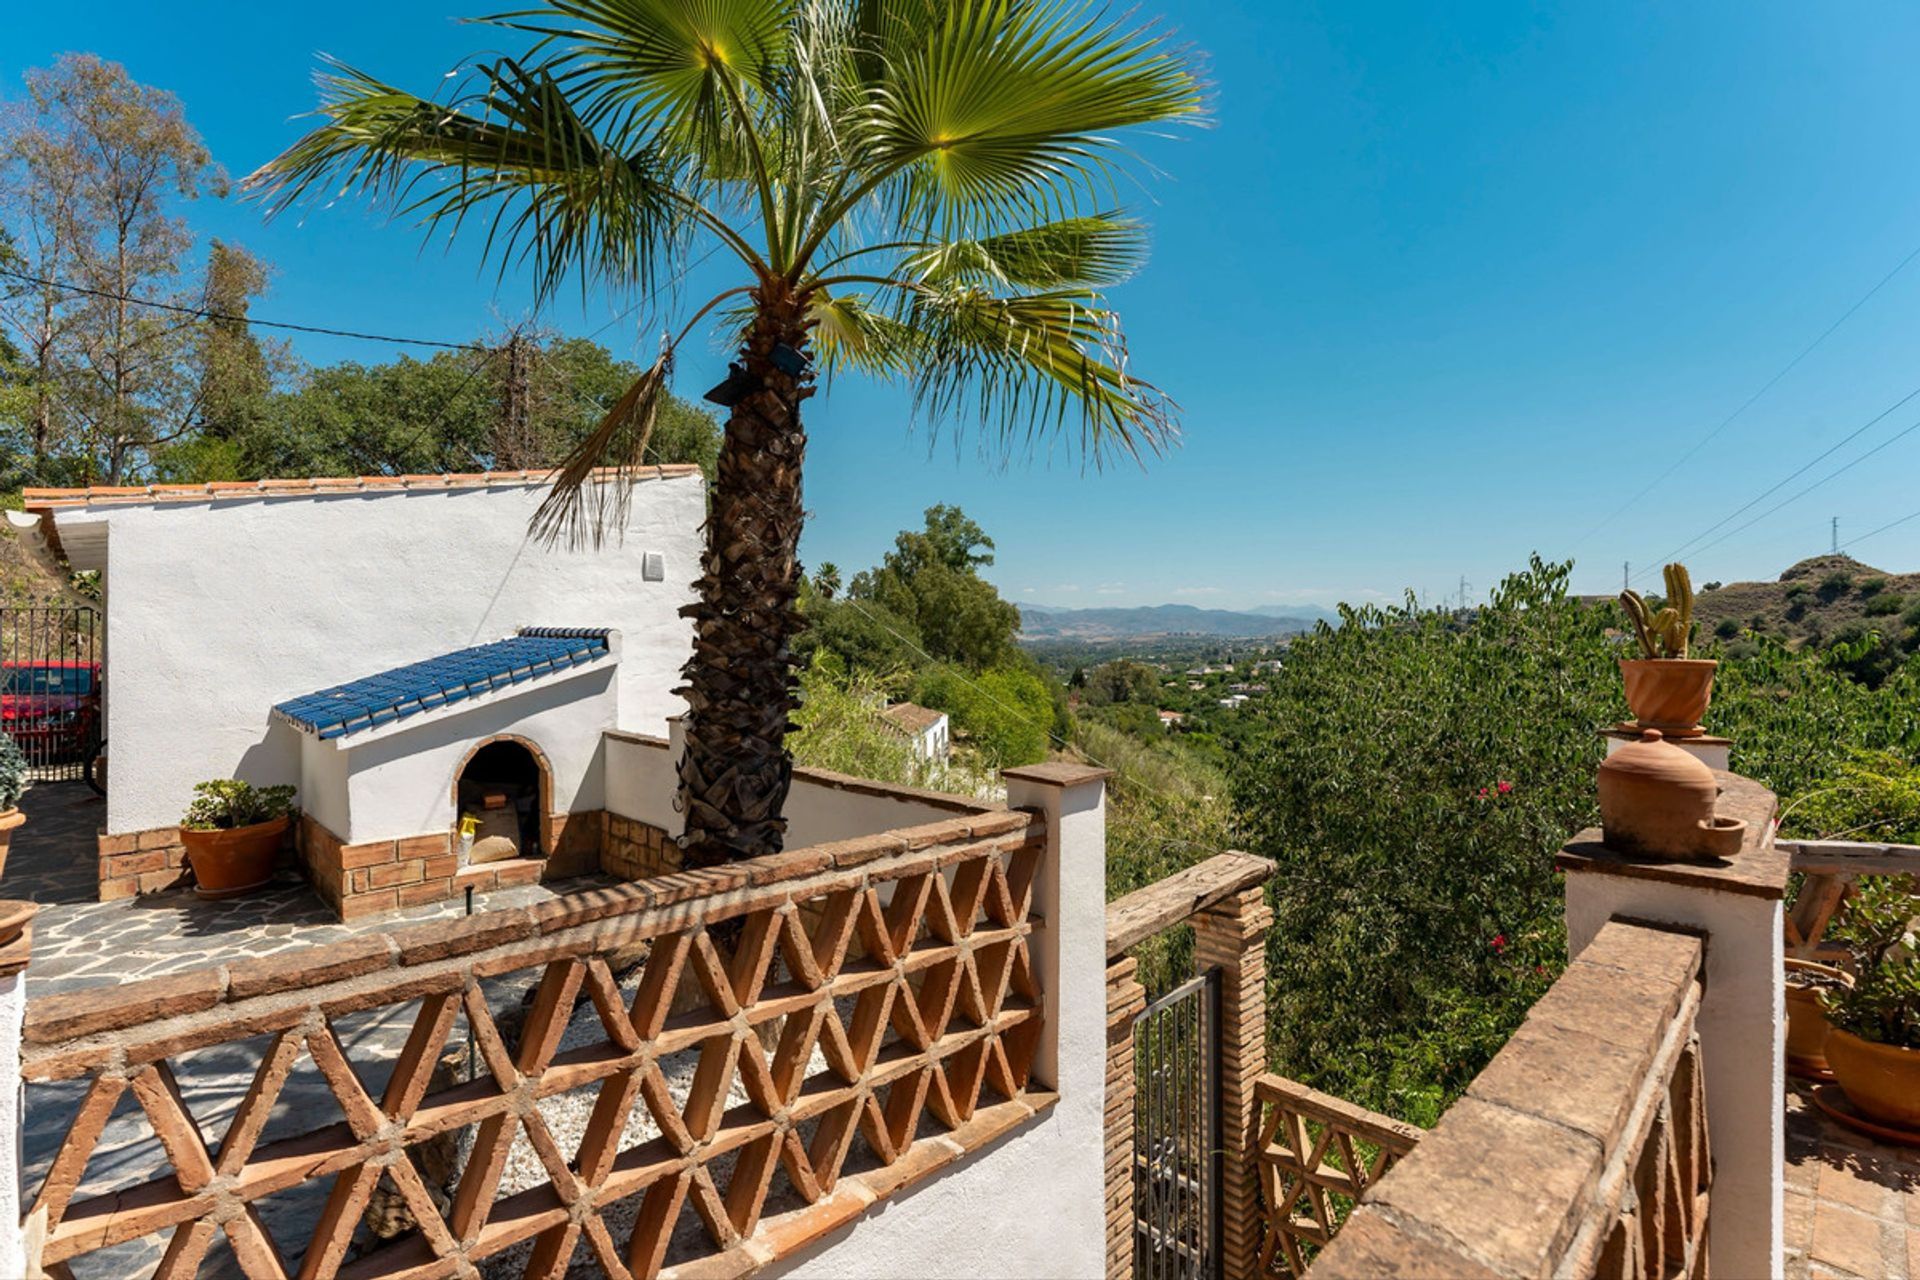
(361, 880)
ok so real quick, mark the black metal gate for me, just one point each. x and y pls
(50, 676)
(1176, 1134)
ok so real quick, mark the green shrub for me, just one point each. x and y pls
(1871, 795)
(1417, 916)
(13, 773)
(1797, 590)
(1005, 713)
(1414, 775)
(1836, 584)
(1884, 605)
(1873, 587)
(1164, 813)
(839, 727)
(226, 803)
(1726, 629)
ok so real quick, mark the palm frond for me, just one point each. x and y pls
(1032, 365)
(559, 196)
(850, 334)
(1099, 250)
(1007, 105)
(593, 485)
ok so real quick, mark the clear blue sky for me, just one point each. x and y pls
(1444, 285)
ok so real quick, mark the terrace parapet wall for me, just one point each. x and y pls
(1581, 1150)
(923, 979)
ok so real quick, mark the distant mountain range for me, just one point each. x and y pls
(1049, 622)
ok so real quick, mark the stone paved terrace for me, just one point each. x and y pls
(78, 942)
(1853, 1204)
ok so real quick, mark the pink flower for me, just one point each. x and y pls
(1505, 787)
(1483, 793)
(1499, 942)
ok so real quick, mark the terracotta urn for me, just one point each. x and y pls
(1657, 801)
(10, 822)
(1807, 1025)
(1883, 1080)
(1669, 694)
(236, 861)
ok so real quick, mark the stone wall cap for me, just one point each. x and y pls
(1165, 903)
(1058, 773)
(1759, 870)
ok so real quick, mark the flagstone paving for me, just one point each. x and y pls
(78, 942)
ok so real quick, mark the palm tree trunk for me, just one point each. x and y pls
(740, 680)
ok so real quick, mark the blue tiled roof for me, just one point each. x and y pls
(437, 682)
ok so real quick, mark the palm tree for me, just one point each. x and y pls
(919, 190)
(826, 579)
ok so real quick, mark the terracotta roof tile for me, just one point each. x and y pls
(912, 717)
(127, 495)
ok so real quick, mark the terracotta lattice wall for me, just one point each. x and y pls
(857, 1016)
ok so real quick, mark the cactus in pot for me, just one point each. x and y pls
(1666, 689)
(1664, 633)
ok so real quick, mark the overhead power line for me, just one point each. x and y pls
(205, 314)
(1692, 544)
(1750, 401)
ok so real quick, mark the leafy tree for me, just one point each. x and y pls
(908, 188)
(1006, 712)
(1123, 681)
(92, 162)
(1412, 773)
(931, 579)
(863, 636)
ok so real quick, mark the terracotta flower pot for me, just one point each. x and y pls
(1807, 1025)
(1883, 1080)
(10, 821)
(1669, 694)
(228, 863)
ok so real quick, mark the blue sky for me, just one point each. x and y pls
(1442, 286)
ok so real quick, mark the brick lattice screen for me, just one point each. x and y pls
(874, 994)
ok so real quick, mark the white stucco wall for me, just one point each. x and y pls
(398, 781)
(218, 610)
(13, 1011)
(1032, 1204)
(641, 784)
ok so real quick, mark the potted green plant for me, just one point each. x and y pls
(13, 785)
(232, 832)
(1874, 1047)
(1666, 690)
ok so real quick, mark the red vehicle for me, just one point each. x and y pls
(51, 708)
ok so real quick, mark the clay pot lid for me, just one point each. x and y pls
(1654, 755)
